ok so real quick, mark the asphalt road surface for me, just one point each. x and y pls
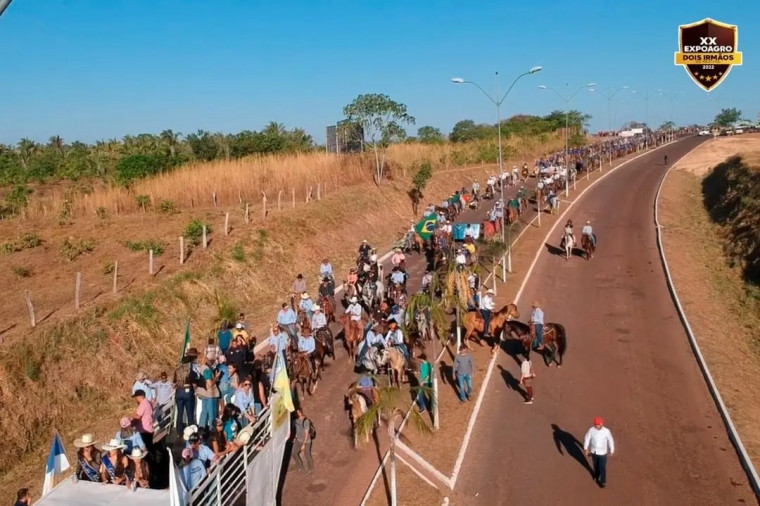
(628, 361)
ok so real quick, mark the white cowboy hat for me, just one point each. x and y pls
(141, 376)
(373, 258)
(353, 299)
(239, 326)
(490, 291)
(136, 454)
(364, 241)
(366, 268)
(304, 296)
(189, 431)
(588, 222)
(114, 444)
(85, 441)
(244, 436)
(315, 307)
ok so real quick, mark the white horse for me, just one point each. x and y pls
(568, 243)
(554, 203)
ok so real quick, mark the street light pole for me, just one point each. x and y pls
(497, 102)
(566, 100)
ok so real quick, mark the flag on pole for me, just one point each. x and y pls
(426, 227)
(177, 490)
(282, 383)
(185, 341)
(57, 463)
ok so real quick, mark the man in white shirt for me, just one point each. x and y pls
(598, 443)
(526, 378)
(354, 309)
(318, 320)
(587, 230)
(486, 306)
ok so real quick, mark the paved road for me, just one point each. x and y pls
(342, 473)
(628, 360)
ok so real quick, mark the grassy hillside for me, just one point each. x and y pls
(72, 373)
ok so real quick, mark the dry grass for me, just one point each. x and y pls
(237, 182)
(74, 371)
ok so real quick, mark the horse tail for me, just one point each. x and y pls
(561, 340)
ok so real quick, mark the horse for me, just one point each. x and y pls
(588, 246)
(511, 215)
(555, 339)
(567, 244)
(328, 308)
(524, 173)
(395, 360)
(473, 322)
(353, 332)
(424, 328)
(324, 337)
(369, 294)
(415, 195)
(300, 373)
(554, 203)
(357, 403)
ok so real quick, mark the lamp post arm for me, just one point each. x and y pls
(482, 91)
(512, 86)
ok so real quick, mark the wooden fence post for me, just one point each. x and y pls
(115, 274)
(205, 237)
(29, 307)
(181, 250)
(213, 196)
(319, 191)
(279, 200)
(76, 290)
(263, 204)
(150, 261)
(240, 197)
(247, 214)
(294, 196)
(227, 224)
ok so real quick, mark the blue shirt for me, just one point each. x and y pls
(325, 269)
(243, 400)
(145, 386)
(365, 382)
(224, 337)
(306, 304)
(203, 453)
(231, 428)
(224, 379)
(397, 277)
(192, 473)
(133, 441)
(306, 345)
(286, 317)
(279, 341)
(537, 316)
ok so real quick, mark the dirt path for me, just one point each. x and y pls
(628, 361)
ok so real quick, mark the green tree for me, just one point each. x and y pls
(203, 145)
(380, 118)
(668, 125)
(138, 166)
(171, 140)
(429, 135)
(727, 117)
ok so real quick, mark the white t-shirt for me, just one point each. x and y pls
(525, 369)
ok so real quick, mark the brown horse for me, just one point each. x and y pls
(396, 361)
(588, 246)
(353, 332)
(328, 308)
(473, 322)
(324, 338)
(555, 339)
(511, 215)
(300, 373)
(358, 404)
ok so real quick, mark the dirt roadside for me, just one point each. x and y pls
(724, 318)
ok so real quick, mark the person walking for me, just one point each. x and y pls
(426, 382)
(537, 319)
(463, 373)
(598, 444)
(302, 442)
(526, 377)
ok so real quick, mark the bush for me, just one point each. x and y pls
(22, 272)
(146, 245)
(26, 241)
(108, 268)
(101, 212)
(194, 231)
(72, 248)
(17, 198)
(138, 166)
(238, 253)
(168, 207)
(423, 175)
(143, 201)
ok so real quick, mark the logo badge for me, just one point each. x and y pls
(707, 50)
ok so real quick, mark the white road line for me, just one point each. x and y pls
(423, 463)
(492, 362)
(402, 459)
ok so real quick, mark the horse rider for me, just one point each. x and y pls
(306, 347)
(365, 250)
(473, 303)
(399, 259)
(473, 280)
(395, 338)
(366, 388)
(486, 311)
(278, 341)
(306, 304)
(287, 319)
(514, 203)
(398, 276)
(325, 269)
(372, 339)
(460, 259)
(569, 230)
(299, 285)
(515, 175)
(318, 319)
(587, 230)
(327, 289)
(469, 247)
(537, 319)
(364, 273)
(352, 277)
(354, 309)
(374, 267)
(425, 282)
(475, 188)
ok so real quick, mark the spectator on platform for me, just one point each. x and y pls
(138, 471)
(88, 459)
(113, 464)
(129, 436)
(143, 421)
(192, 470)
(224, 336)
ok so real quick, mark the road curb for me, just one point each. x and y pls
(733, 434)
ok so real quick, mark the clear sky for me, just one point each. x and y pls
(92, 69)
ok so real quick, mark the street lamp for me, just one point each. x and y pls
(645, 96)
(671, 98)
(609, 96)
(566, 100)
(497, 103)
(4, 5)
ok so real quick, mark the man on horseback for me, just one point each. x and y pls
(354, 309)
(395, 338)
(398, 276)
(398, 259)
(327, 289)
(306, 347)
(460, 259)
(299, 285)
(475, 189)
(588, 231)
(325, 269)
(318, 320)
(365, 250)
(569, 230)
(287, 319)
(373, 339)
(537, 320)
(486, 309)
(306, 304)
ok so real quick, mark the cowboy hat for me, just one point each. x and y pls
(187, 453)
(304, 296)
(373, 258)
(114, 444)
(136, 454)
(353, 299)
(189, 431)
(588, 222)
(141, 376)
(352, 269)
(535, 303)
(85, 441)
(239, 326)
(244, 436)
(366, 268)
(364, 241)
(490, 291)
(316, 307)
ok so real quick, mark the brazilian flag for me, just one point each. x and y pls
(426, 227)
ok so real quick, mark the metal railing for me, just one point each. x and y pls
(227, 480)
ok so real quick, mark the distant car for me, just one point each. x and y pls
(704, 132)
(738, 131)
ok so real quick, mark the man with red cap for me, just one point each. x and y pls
(598, 443)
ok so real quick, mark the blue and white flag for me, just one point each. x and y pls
(57, 463)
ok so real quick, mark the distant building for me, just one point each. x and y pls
(347, 138)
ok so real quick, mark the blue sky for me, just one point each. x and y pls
(92, 69)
